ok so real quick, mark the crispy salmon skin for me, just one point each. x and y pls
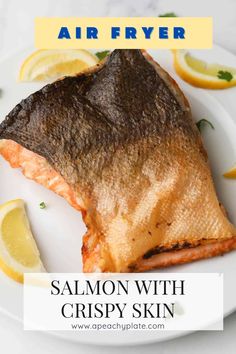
(119, 143)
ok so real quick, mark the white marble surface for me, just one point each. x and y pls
(16, 31)
(17, 16)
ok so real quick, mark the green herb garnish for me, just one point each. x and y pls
(102, 55)
(168, 14)
(203, 122)
(42, 205)
(224, 75)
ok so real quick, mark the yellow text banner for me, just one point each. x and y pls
(123, 32)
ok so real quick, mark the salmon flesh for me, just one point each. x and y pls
(118, 142)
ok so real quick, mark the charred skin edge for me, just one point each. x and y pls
(166, 257)
(176, 247)
(184, 255)
(86, 72)
(179, 95)
(7, 121)
(179, 245)
(165, 76)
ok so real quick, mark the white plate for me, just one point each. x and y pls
(59, 228)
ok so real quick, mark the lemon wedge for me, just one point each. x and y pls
(231, 173)
(18, 251)
(49, 65)
(202, 74)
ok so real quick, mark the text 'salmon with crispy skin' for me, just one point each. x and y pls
(122, 142)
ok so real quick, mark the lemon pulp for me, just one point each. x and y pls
(205, 68)
(202, 74)
(17, 238)
(67, 69)
(48, 65)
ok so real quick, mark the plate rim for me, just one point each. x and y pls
(131, 342)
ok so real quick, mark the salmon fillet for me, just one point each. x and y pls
(119, 143)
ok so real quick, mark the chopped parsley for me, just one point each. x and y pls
(202, 123)
(224, 75)
(168, 14)
(42, 205)
(102, 55)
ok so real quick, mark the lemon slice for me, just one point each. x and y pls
(202, 74)
(18, 251)
(49, 65)
(231, 173)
